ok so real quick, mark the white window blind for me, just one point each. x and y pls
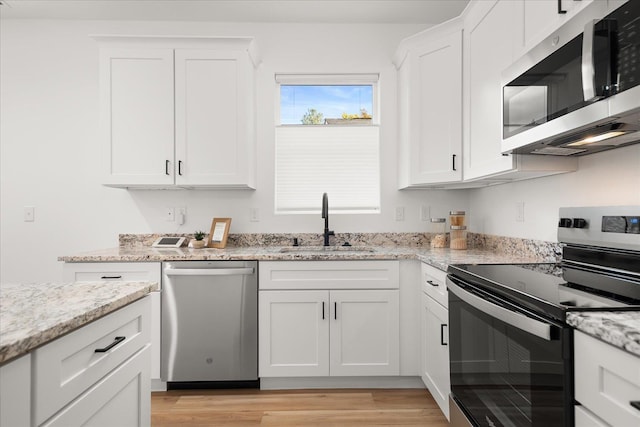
(342, 161)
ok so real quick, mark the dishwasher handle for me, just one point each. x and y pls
(244, 271)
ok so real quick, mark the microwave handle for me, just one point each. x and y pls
(522, 322)
(588, 67)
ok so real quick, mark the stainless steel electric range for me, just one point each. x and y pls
(511, 350)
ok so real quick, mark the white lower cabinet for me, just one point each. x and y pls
(435, 337)
(126, 272)
(98, 373)
(15, 392)
(328, 332)
(607, 382)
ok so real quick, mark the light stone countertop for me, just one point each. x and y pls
(620, 329)
(439, 258)
(34, 314)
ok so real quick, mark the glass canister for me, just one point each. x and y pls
(438, 233)
(457, 218)
(458, 237)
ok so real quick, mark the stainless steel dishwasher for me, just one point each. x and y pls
(209, 323)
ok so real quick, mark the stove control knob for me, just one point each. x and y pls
(580, 223)
(565, 223)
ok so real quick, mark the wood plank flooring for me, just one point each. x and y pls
(343, 407)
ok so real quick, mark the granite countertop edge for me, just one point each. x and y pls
(32, 315)
(618, 328)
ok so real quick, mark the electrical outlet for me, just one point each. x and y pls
(399, 213)
(254, 215)
(519, 211)
(29, 214)
(425, 213)
(170, 214)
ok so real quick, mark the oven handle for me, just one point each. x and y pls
(527, 324)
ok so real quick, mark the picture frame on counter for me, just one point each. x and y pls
(219, 232)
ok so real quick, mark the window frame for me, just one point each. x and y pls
(329, 79)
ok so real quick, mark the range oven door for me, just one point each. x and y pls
(509, 367)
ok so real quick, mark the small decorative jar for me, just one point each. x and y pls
(438, 233)
(457, 218)
(458, 237)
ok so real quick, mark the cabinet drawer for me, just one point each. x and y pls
(116, 271)
(66, 367)
(329, 275)
(607, 379)
(434, 284)
(122, 398)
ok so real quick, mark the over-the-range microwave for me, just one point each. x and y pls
(578, 91)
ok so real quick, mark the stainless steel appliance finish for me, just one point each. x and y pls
(209, 321)
(511, 350)
(578, 91)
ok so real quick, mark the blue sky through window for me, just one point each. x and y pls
(330, 100)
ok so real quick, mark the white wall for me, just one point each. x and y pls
(609, 178)
(49, 141)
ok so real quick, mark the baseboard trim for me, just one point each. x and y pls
(290, 383)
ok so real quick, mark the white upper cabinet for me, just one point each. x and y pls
(430, 106)
(542, 17)
(178, 111)
(137, 126)
(491, 32)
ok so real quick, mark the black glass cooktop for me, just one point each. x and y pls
(542, 288)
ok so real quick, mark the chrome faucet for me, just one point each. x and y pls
(325, 215)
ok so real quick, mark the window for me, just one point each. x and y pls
(327, 141)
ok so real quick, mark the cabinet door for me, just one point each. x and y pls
(137, 116)
(490, 29)
(542, 17)
(434, 131)
(293, 333)
(15, 392)
(214, 90)
(437, 354)
(365, 333)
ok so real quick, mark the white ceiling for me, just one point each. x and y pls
(303, 11)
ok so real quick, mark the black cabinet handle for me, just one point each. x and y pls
(560, 10)
(442, 326)
(179, 167)
(335, 311)
(322, 310)
(115, 342)
(454, 161)
(111, 277)
(635, 404)
(166, 167)
(432, 283)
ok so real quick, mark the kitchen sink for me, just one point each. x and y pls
(321, 249)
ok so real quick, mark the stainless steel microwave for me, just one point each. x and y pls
(578, 91)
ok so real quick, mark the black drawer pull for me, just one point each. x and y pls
(111, 277)
(454, 162)
(322, 310)
(335, 311)
(442, 326)
(432, 283)
(117, 341)
(179, 167)
(166, 167)
(635, 404)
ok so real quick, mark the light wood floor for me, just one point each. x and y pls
(344, 408)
